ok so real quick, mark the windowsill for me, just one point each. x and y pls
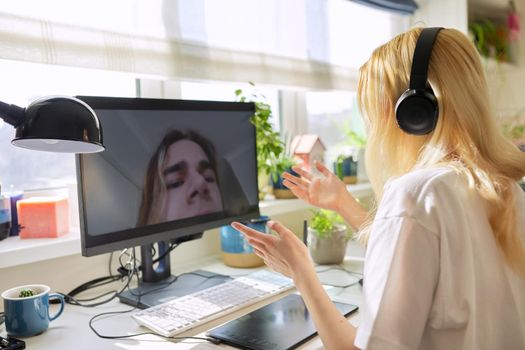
(15, 251)
(274, 206)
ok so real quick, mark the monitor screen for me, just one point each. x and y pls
(171, 168)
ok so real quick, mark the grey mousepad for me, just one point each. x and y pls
(283, 324)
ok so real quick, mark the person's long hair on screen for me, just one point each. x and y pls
(181, 180)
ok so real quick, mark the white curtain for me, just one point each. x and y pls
(316, 44)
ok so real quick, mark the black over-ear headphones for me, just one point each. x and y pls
(417, 108)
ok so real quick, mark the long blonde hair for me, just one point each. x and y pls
(466, 136)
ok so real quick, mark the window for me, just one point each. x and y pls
(328, 31)
(313, 44)
(226, 92)
(295, 44)
(354, 31)
(329, 113)
(22, 169)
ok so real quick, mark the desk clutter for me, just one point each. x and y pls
(283, 324)
(8, 214)
(11, 344)
(43, 217)
(33, 217)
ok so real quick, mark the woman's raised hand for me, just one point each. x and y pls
(324, 191)
(283, 252)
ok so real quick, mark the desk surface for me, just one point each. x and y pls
(71, 329)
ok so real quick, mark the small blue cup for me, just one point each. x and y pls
(28, 316)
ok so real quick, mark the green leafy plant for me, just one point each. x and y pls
(269, 144)
(514, 127)
(280, 164)
(325, 221)
(339, 165)
(283, 162)
(353, 141)
(491, 39)
(514, 131)
(356, 139)
(352, 138)
(24, 293)
(348, 150)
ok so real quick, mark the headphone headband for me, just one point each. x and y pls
(417, 108)
(421, 58)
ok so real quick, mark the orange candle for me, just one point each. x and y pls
(43, 217)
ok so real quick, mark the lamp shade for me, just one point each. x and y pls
(59, 124)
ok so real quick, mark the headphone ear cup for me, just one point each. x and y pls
(417, 112)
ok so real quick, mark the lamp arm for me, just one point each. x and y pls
(12, 114)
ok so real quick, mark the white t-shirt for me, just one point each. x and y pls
(434, 277)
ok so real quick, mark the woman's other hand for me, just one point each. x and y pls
(325, 190)
(284, 252)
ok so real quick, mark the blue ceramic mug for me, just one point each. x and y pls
(28, 316)
(232, 241)
(236, 251)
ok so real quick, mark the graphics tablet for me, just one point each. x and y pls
(283, 324)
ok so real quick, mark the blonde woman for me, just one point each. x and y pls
(445, 258)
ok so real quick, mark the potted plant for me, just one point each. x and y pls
(327, 237)
(514, 129)
(350, 155)
(279, 165)
(491, 39)
(345, 166)
(269, 145)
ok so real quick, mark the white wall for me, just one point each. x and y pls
(506, 81)
(442, 13)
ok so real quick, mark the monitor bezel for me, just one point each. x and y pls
(99, 244)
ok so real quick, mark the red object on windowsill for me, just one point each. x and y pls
(513, 23)
(43, 217)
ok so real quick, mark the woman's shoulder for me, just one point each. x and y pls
(422, 193)
(420, 181)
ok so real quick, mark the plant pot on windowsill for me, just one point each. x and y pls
(279, 190)
(329, 247)
(346, 169)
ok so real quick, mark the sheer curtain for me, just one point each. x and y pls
(316, 44)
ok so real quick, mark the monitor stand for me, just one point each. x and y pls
(158, 285)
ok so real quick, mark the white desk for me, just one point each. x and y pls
(71, 330)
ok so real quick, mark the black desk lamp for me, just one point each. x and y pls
(55, 124)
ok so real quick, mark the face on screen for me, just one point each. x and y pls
(191, 182)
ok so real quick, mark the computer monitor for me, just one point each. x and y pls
(171, 169)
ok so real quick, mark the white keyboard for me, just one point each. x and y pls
(189, 311)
